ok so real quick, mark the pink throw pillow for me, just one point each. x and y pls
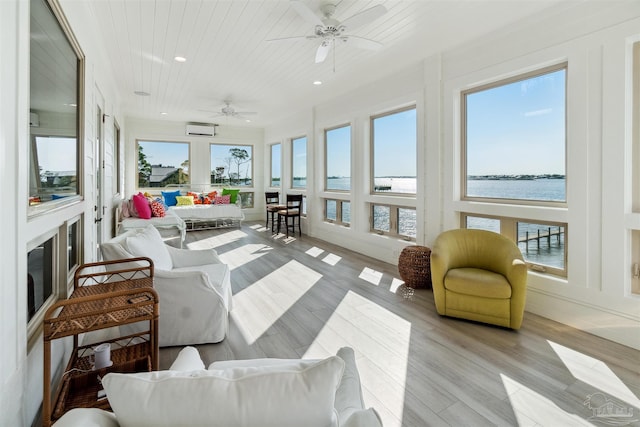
(142, 206)
(124, 210)
(222, 200)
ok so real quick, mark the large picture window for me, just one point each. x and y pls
(276, 160)
(338, 158)
(232, 165)
(299, 162)
(55, 99)
(162, 163)
(515, 138)
(394, 160)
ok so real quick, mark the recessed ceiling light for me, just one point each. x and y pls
(164, 113)
(180, 59)
(317, 83)
(247, 120)
(142, 93)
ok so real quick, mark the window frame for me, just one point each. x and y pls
(372, 171)
(326, 157)
(35, 209)
(293, 163)
(463, 135)
(252, 168)
(394, 221)
(509, 229)
(149, 187)
(339, 216)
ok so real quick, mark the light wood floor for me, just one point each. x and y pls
(307, 298)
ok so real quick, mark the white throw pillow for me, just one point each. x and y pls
(148, 242)
(292, 396)
(187, 360)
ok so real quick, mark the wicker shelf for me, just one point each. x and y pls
(101, 299)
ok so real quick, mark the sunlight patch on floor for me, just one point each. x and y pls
(395, 284)
(218, 240)
(244, 254)
(380, 340)
(257, 307)
(595, 373)
(370, 275)
(332, 259)
(258, 227)
(533, 409)
(314, 251)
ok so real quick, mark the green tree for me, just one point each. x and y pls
(239, 157)
(144, 168)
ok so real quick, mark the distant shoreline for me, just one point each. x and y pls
(514, 177)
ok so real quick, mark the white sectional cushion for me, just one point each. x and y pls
(296, 395)
(148, 242)
(188, 360)
(87, 417)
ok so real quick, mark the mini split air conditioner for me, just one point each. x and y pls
(199, 129)
(34, 120)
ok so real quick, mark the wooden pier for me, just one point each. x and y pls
(541, 235)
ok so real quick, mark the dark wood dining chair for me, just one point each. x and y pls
(292, 210)
(272, 200)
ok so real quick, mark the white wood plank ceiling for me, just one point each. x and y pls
(229, 57)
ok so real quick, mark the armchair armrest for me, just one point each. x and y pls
(192, 257)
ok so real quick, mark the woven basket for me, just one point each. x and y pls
(414, 266)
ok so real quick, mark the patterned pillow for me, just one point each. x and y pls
(222, 200)
(212, 195)
(184, 200)
(157, 209)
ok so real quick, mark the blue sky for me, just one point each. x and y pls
(518, 128)
(168, 154)
(219, 154)
(395, 144)
(299, 148)
(339, 151)
(275, 160)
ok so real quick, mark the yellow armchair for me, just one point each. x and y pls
(479, 275)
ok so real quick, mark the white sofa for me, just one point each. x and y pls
(194, 286)
(244, 393)
(209, 216)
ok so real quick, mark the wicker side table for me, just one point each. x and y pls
(414, 266)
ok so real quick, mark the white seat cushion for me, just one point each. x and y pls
(294, 396)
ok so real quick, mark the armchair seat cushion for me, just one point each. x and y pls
(477, 282)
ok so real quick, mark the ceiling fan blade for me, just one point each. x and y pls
(246, 113)
(361, 42)
(305, 12)
(290, 39)
(364, 17)
(323, 51)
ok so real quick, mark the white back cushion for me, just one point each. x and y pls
(148, 242)
(294, 396)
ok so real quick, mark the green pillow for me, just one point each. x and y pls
(232, 193)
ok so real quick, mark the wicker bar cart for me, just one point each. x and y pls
(101, 299)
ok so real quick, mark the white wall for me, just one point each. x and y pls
(22, 366)
(595, 40)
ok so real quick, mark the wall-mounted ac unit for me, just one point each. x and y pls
(199, 129)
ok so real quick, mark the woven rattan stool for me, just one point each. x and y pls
(414, 266)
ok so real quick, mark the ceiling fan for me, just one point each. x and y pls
(331, 31)
(229, 111)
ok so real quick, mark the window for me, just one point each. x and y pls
(515, 137)
(40, 275)
(56, 70)
(337, 211)
(162, 163)
(543, 244)
(338, 158)
(394, 149)
(74, 245)
(232, 165)
(299, 162)
(394, 221)
(275, 165)
(246, 199)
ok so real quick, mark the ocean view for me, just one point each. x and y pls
(546, 250)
